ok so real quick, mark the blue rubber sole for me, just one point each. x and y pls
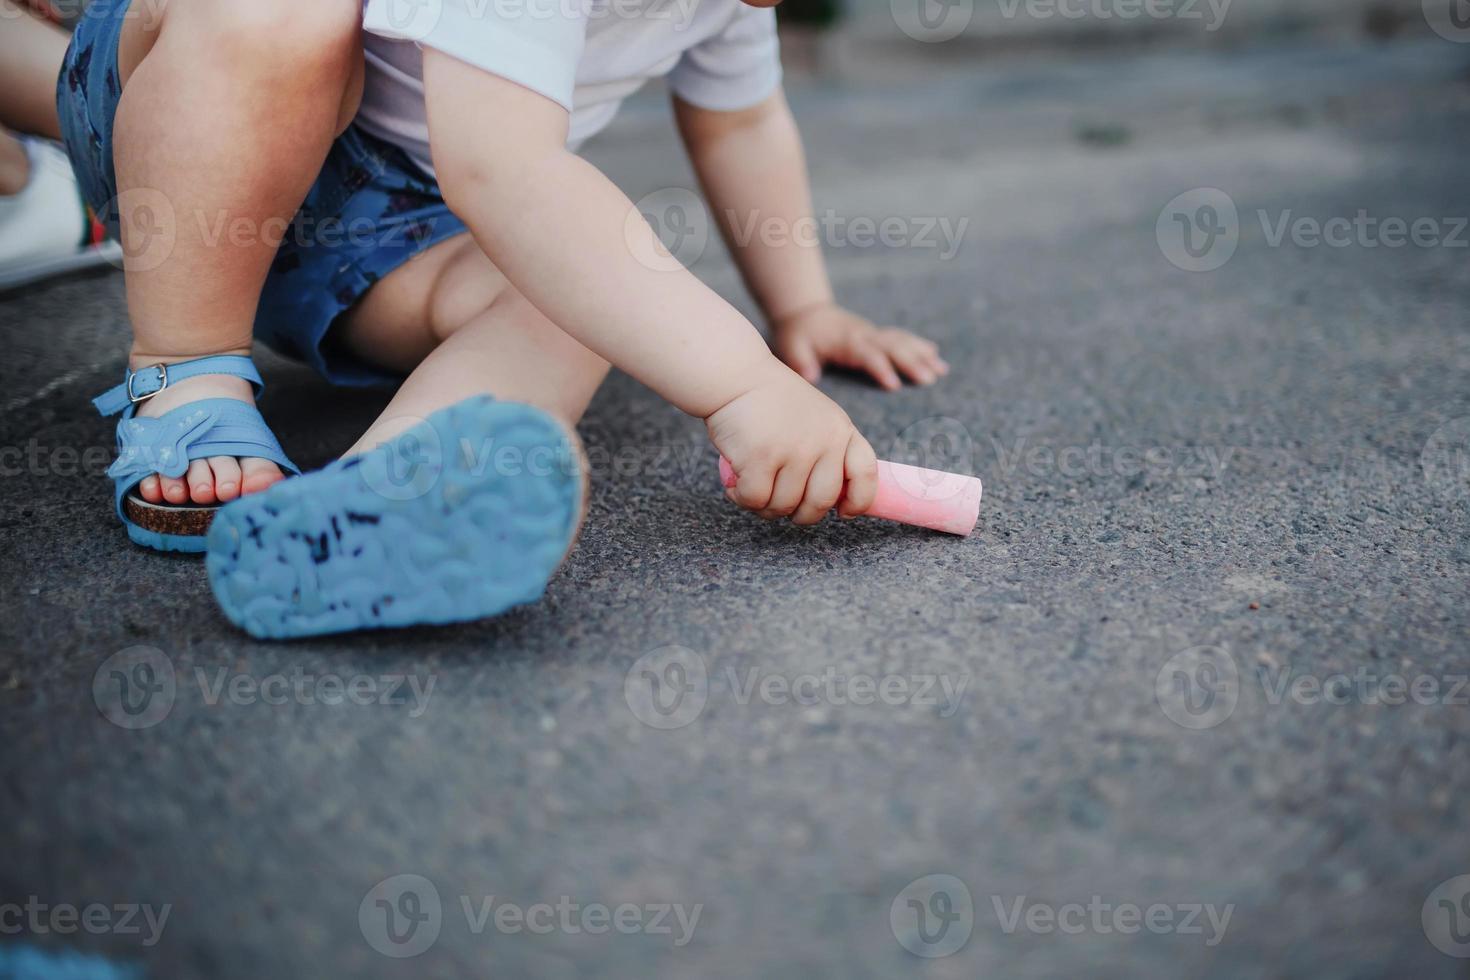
(188, 544)
(462, 517)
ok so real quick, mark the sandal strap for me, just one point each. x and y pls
(144, 383)
(199, 430)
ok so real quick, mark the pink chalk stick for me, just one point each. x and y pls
(947, 502)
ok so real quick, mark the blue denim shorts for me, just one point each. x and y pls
(370, 211)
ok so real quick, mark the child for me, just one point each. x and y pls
(469, 123)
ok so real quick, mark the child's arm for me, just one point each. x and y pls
(559, 230)
(753, 171)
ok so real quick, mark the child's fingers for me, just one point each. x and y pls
(787, 493)
(926, 350)
(934, 358)
(861, 469)
(755, 484)
(870, 357)
(823, 488)
(801, 357)
(912, 361)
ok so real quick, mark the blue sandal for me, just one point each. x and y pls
(167, 444)
(461, 517)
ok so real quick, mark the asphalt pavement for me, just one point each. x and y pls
(1191, 701)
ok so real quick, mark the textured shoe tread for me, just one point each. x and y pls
(328, 553)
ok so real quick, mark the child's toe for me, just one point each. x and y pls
(201, 482)
(150, 490)
(258, 475)
(174, 490)
(226, 472)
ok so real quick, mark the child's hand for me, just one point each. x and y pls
(794, 451)
(831, 335)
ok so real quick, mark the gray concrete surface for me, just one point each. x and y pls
(1300, 512)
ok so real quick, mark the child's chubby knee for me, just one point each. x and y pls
(467, 285)
(324, 33)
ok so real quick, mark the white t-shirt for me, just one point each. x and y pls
(587, 55)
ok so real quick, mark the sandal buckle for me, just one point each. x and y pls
(162, 370)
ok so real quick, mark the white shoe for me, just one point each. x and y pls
(45, 230)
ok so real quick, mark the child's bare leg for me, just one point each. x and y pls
(31, 52)
(15, 165)
(338, 550)
(451, 319)
(227, 112)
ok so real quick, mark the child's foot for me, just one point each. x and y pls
(459, 518)
(187, 434)
(218, 479)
